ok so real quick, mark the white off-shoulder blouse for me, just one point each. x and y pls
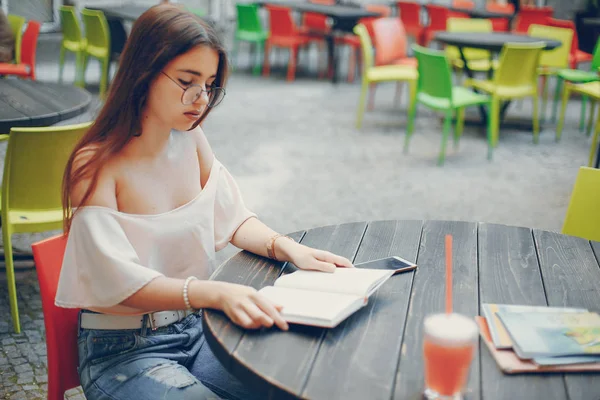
(110, 254)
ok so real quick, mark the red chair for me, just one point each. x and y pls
(438, 16)
(284, 33)
(410, 15)
(500, 24)
(466, 4)
(576, 56)
(532, 15)
(26, 69)
(61, 323)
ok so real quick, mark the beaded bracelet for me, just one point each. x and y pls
(186, 298)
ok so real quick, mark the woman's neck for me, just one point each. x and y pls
(153, 141)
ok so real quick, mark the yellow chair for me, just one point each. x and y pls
(31, 188)
(583, 215)
(384, 73)
(590, 90)
(478, 59)
(552, 61)
(72, 41)
(516, 77)
(16, 25)
(97, 36)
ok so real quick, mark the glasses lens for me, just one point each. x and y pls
(216, 96)
(191, 95)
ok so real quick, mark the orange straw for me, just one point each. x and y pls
(448, 274)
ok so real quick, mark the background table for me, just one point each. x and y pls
(481, 13)
(35, 103)
(377, 352)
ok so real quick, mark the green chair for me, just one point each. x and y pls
(249, 29)
(72, 41)
(478, 59)
(97, 36)
(591, 90)
(583, 214)
(516, 77)
(435, 90)
(579, 76)
(16, 25)
(31, 188)
(552, 61)
(382, 73)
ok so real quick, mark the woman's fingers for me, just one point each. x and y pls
(337, 260)
(271, 310)
(257, 315)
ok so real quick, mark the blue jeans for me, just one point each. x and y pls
(172, 362)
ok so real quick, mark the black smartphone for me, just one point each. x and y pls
(394, 263)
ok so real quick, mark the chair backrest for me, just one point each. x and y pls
(29, 46)
(438, 17)
(466, 4)
(435, 75)
(583, 215)
(70, 24)
(366, 46)
(61, 323)
(497, 7)
(410, 14)
(518, 65)
(468, 25)
(532, 15)
(596, 57)
(34, 166)
(382, 10)
(559, 57)
(16, 25)
(281, 22)
(390, 40)
(566, 24)
(96, 29)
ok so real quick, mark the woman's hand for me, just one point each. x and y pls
(248, 308)
(305, 257)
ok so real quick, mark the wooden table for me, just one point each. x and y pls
(344, 18)
(35, 103)
(377, 352)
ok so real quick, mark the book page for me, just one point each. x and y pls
(355, 281)
(312, 308)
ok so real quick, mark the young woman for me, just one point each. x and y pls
(146, 206)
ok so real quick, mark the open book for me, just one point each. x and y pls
(324, 299)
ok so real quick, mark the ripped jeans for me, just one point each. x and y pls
(172, 362)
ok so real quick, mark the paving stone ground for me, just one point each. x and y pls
(301, 163)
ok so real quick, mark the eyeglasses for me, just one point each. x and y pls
(192, 93)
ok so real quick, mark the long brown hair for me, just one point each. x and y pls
(158, 36)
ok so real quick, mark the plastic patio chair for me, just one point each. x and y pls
(61, 323)
(438, 18)
(478, 59)
(16, 25)
(72, 41)
(97, 36)
(591, 90)
(385, 73)
(554, 60)
(500, 24)
(578, 76)
(576, 56)
(26, 68)
(532, 15)
(583, 215)
(249, 29)
(31, 188)
(516, 77)
(435, 90)
(410, 14)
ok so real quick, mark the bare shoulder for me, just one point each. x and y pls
(104, 194)
(205, 152)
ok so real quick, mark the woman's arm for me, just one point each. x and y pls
(253, 236)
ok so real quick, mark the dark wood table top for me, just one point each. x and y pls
(35, 103)
(481, 13)
(493, 41)
(377, 352)
(333, 11)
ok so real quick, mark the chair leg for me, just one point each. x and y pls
(494, 119)
(544, 97)
(398, 94)
(445, 133)
(490, 132)
(61, 65)
(594, 145)
(559, 85)
(105, 63)
(372, 88)
(591, 117)
(266, 64)
(86, 60)
(412, 112)
(10, 277)
(259, 49)
(582, 117)
(291, 74)
(536, 120)
(563, 108)
(361, 103)
(352, 64)
(458, 128)
(79, 69)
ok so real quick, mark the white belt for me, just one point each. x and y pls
(155, 320)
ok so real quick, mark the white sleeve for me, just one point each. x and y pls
(100, 267)
(230, 210)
